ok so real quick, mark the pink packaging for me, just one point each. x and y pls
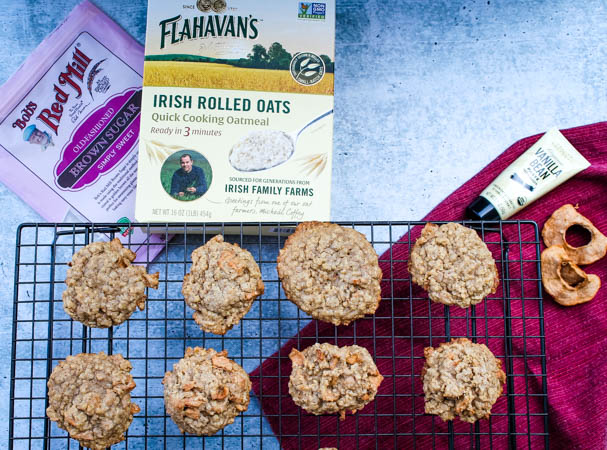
(69, 125)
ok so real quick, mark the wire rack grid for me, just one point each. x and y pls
(510, 322)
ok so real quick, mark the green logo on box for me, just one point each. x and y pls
(125, 231)
(308, 10)
(307, 68)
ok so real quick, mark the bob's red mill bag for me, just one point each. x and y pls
(69, 126)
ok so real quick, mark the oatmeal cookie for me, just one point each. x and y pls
(89, 397)
(205, 391)
(327, 379)
(453, 264)
(103, 287)
(330, 272)
(461, 379)
(222, 284)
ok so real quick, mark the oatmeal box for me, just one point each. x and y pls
(237, 111)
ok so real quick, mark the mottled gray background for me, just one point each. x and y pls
(427, 93)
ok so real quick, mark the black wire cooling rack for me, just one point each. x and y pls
(510, 322)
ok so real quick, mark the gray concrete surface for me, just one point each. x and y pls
(427, 93)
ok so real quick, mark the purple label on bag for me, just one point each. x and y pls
(100, 142)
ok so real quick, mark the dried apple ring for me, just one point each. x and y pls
(556, 227)
(564, 280)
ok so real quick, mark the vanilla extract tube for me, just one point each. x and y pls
(549, 162)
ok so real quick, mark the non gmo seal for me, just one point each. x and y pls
(307, 68)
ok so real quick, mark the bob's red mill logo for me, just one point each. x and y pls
(68, 82)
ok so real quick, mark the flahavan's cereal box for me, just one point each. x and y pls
(237, 111)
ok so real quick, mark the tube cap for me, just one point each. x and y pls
(482, 209)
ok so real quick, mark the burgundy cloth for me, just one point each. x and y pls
(576, 337)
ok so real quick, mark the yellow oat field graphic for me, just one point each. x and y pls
(224, 76)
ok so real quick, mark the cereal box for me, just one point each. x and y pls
(237, 111)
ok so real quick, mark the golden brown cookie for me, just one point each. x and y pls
(461, 379)
(205, 391)
(453, 265)
(222, 284)
(330, 272)
(327, 379)
(103, 287)
(89, 397)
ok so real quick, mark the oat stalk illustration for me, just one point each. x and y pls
(158, 152)
(310, 68)
(314, 164)
(92, 74)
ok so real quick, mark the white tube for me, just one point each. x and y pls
(548, 163)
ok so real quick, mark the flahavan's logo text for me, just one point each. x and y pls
(177, 29)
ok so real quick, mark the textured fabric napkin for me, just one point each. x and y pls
(576, 337)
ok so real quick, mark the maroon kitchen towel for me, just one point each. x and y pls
(575, 338)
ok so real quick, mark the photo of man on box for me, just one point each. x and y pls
(189, 180)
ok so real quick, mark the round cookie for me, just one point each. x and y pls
(327, 379)
(205, 391)
(330, 272)
(89, 397)
(461, 379)
(222, 284)
(453, 265)
(103, 287)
